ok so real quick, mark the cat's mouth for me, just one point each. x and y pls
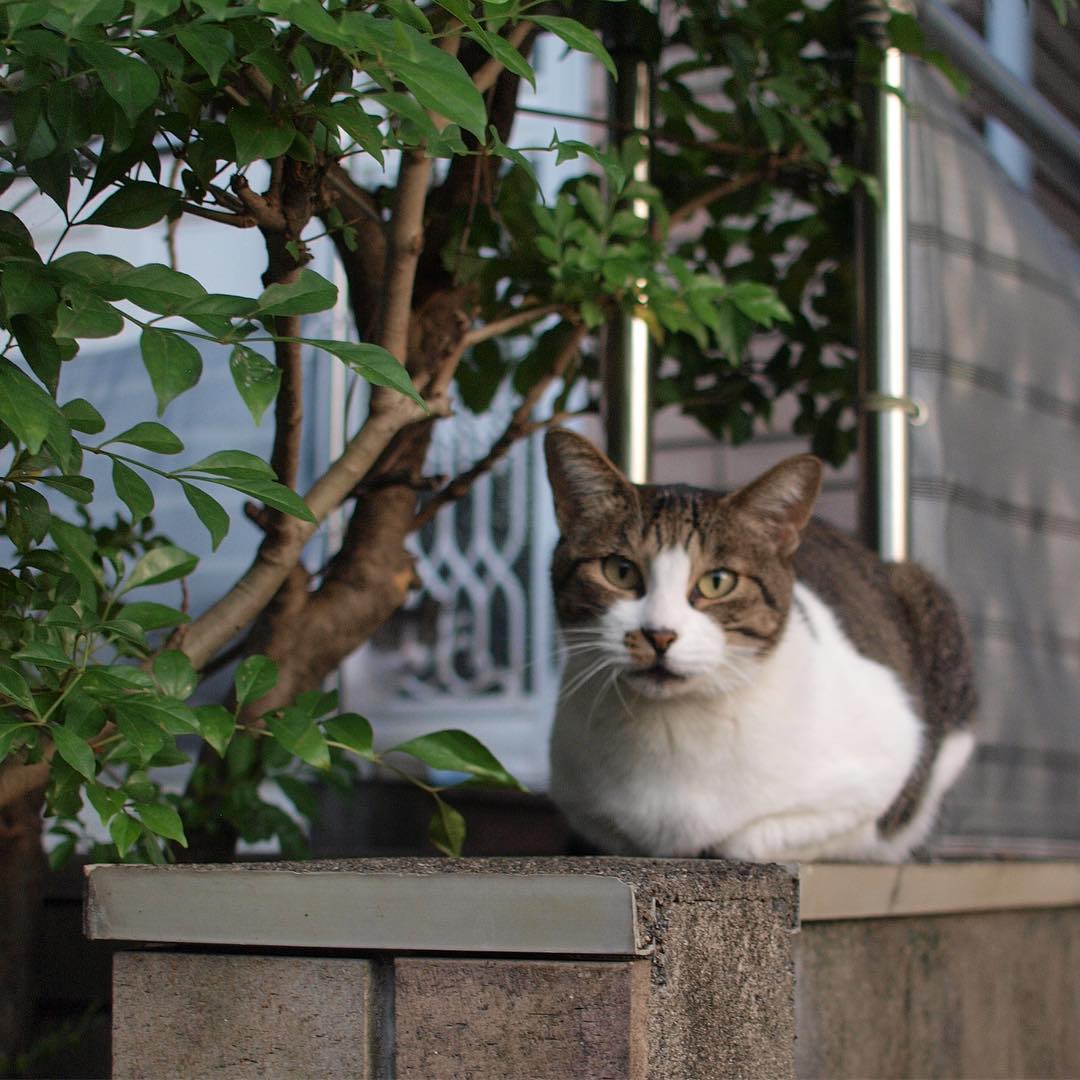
(657, 675)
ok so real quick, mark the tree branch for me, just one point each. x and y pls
(238, 221)
(277, 555)
(721, 191)
(485, 76)
(18, 779)
(510, 322)
(729, 187)
(521, 424)
(267, 217)
(406, 244)
(289, 405)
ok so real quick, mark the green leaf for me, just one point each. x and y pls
(174, 364)
(164, 713)
(436, 79)
(152, 10)
(150, 436)
(175, 675)
(216, 725)
(577, 37)
(210, 512)
(83, 715)
(124, 830)
(306, 295)
(269, 492)
(257, 379)
(211, 47)
(461, 9)
(133, 490)
(10, 734)
(132, 84)
(257, 134)
(160, 564)
(44, 655)
(82, 416)
(254, 678)
(74, 750)
(152, 616)
(359, 125)
(353, 731)
(446, 829)
(299, 794)
(79, 550)
(163, 820)
(458, 751)
(137, 204)
(139, 729)
(58, 857)
(506, 54)
(25, 407)
(815, 142)
(106, 801)
(81, 314)
(27, 517)
(27, 288)
(13, 686)
(372, 362)
(232, 463)
(759, 302)
(297, 732)
(312, 18)
(508, 153)
(217, 306)
(78, 488)
(92, 268)
(62, 615)
(159, 288)
(126, 629)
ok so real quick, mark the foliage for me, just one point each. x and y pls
(139, 114)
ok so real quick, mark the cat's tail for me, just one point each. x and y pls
(941, 649)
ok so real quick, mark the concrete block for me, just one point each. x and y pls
(991, 994)
(493, 1019)
(193, 1015)
(723, 991)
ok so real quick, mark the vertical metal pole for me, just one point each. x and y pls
(627, 348)
(882, 329)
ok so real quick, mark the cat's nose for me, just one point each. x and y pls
(660, 640)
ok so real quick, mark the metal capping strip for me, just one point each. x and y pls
(834, 891)
(476, 913)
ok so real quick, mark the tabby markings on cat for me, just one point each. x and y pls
(743, 680)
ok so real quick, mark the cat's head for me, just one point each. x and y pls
(672, 590)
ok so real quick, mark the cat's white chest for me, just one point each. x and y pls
(799, 763)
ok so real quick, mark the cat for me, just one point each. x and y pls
(742, 680)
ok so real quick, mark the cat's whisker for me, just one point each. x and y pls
(616, 685)
(580, 678)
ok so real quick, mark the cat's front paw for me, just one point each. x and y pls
(800, 838)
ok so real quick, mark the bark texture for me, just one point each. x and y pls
(22, 869)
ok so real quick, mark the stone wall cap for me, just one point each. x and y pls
(543, 914)
(833, 891)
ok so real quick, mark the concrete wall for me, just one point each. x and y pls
(716, 977)
(993, 994)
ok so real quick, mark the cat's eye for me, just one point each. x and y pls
(621, 572)
(717, 583)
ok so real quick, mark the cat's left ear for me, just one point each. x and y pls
(588, 489)
(784, 497)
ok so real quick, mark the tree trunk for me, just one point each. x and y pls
(22, 871)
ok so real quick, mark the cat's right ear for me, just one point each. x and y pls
(587, 487)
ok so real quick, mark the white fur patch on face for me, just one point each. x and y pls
(699, 655)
